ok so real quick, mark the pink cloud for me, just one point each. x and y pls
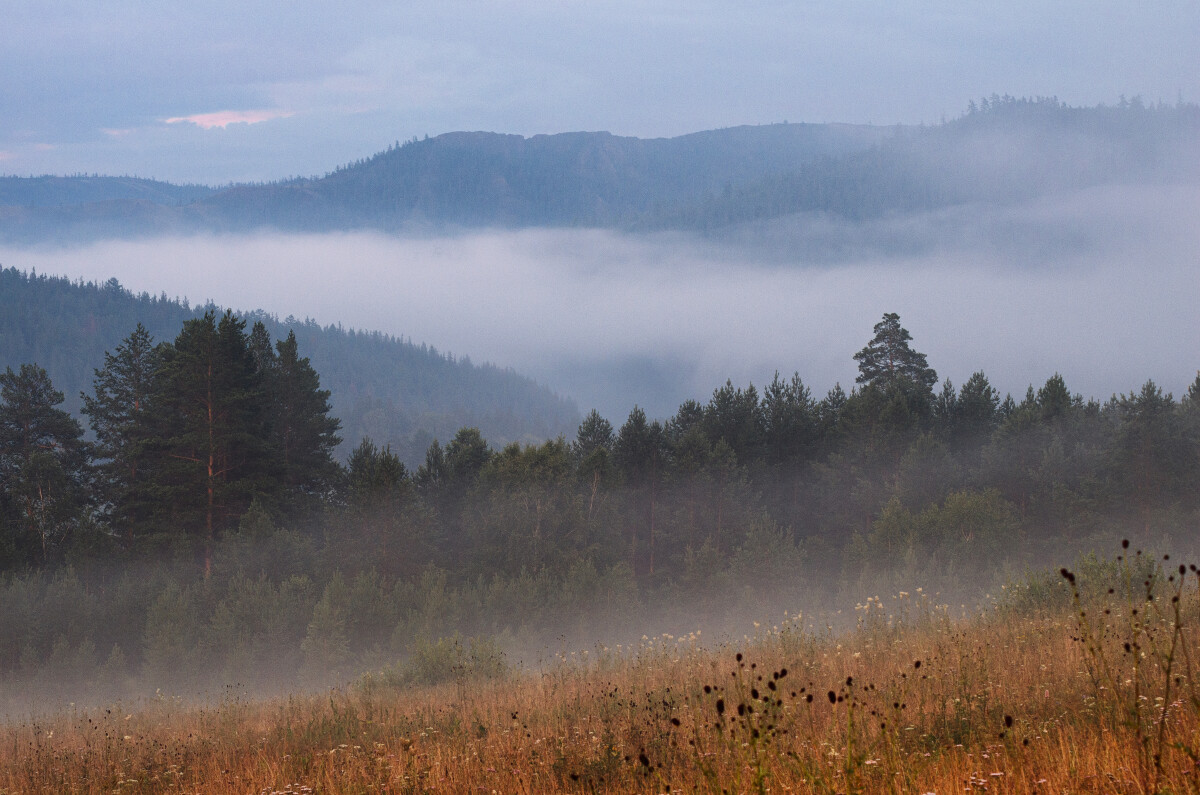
(224, 118)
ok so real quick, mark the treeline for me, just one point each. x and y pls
(749, 503)
(399, 393)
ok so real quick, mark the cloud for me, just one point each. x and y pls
(18, 153)
(224, 118)
(1099, 286)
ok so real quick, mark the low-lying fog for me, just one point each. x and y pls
(1102, 286)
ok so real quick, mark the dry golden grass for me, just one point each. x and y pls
(911, 701)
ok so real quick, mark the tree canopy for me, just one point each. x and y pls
(888, 358)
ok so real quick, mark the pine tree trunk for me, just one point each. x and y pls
(208, 514)
(652, 528)
(592, 499)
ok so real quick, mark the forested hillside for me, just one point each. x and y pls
(50, 191)
(570, 179)
(45, 208)
(471, 179)
(1002, 150)
(392, 390)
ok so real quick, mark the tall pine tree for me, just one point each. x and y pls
(120, 415)
(213, 454)
(303, 435)
(887, 358)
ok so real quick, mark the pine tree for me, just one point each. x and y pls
(466, 455)
(639, 446)
(689, 417)
(829, 416)
(592, 452)
(945, 409)
(43, 464)
(120, 415)
(374, 476)
(790, 421)
(889, 358)
(735, 416)
(303, 435)
(595, 434)
(979, 410)
(1055, 400)
(259, 343)
(210, 408)
(639, 452)
(433, 476)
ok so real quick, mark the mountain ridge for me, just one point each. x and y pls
(1002, 151)
(48, 190)
(469, 179)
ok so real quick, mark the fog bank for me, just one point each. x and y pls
(1099, 285)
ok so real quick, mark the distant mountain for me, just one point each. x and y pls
(394, 391)
(63, 209)
(48, 191)
(1006, 150)
(571, 179)
(1002, 150)
(77, 223)
(471, 179)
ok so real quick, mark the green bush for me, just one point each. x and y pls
(445, 660)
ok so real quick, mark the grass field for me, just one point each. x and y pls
(1078, 683)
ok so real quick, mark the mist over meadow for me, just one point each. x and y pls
(1096, 284)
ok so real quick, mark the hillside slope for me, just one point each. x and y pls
(573, 179)
(52, 191)
(392, 390)
(468, 179)
(1007, 151)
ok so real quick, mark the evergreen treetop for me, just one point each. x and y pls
(887, 358)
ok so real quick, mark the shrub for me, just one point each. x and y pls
(445, 660)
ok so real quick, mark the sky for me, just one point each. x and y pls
(214, 91)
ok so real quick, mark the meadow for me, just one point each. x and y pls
(1071, 681)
